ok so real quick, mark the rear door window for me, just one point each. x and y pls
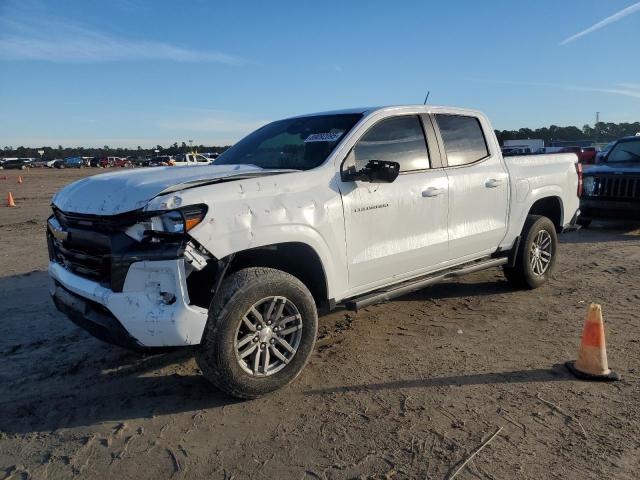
(464, 141)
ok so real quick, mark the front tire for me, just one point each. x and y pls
(260, 333)
(537, 253)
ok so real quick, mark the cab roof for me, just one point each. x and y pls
(396, 108)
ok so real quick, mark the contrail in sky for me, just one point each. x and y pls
(603, 23)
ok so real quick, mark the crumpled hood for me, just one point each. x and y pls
(126, 190)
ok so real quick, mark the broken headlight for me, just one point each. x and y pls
(589, 185)
(169, 223)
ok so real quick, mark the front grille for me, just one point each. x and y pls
(617, 186)
(82, 256)
(88, 248)
(97, 248)
(94, 266)
(95, 222)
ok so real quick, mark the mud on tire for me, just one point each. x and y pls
(242, 293)
(527, 271)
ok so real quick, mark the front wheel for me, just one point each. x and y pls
(260, 333)
(537, 253)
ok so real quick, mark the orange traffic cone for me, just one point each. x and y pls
(592, 357)
(10, 202)
(19, 178)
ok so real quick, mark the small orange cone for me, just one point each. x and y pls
(592, 357)
(10, 202)
(20, 179)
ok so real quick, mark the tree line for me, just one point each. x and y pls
(601, 132)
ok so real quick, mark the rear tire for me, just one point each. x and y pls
(584, 222)
(537, 253)
(281, 335)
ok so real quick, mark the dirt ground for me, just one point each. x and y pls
(407, 389)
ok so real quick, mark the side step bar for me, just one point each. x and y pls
(403, 288)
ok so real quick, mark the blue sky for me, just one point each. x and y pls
(136, 72)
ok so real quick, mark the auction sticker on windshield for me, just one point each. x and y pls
(323, 137)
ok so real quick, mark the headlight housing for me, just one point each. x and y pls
(169, 223)
(589, 185)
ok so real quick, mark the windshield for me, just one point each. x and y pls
(298, 143)
(625, 152)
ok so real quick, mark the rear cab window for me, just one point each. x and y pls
(463, 138)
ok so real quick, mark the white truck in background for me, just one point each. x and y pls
(190, 159)
(342, 208)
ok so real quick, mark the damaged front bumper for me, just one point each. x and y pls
(152, 310)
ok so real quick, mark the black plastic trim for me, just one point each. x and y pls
(94, 318)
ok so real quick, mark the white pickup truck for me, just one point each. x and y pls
(343, 208)
(190, 159)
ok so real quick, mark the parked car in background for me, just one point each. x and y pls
(17, 164)
(585, 155)
(589, 155)
(511, 151)
(74, 162)
(346, 208)
(137, 161)
(186, 159)
(151, 162)
(161, 160)
(44, 163)
(122, 162)
(58, 163)
(611, 188)
(106, 162)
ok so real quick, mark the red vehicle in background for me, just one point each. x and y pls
(122, 162)
(106, 162)
(586, 155)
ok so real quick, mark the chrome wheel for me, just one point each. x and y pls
(541, 253)
(268, 336)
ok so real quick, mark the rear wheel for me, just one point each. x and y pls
(260, 333)
(584, 222)
(537, 253)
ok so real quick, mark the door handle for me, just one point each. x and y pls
(432, 192)
(493, 182)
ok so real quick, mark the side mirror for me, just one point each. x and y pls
(376, 171)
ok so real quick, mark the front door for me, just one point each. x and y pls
(395, 229)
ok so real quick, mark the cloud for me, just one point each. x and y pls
(603, 23)
(631, 90)
(29, 36)
(626, 90)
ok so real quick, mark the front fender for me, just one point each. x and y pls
(226, 244)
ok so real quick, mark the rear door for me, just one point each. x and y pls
(399, 228)
(478, 185)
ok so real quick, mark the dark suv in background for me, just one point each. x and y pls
(611, 188)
